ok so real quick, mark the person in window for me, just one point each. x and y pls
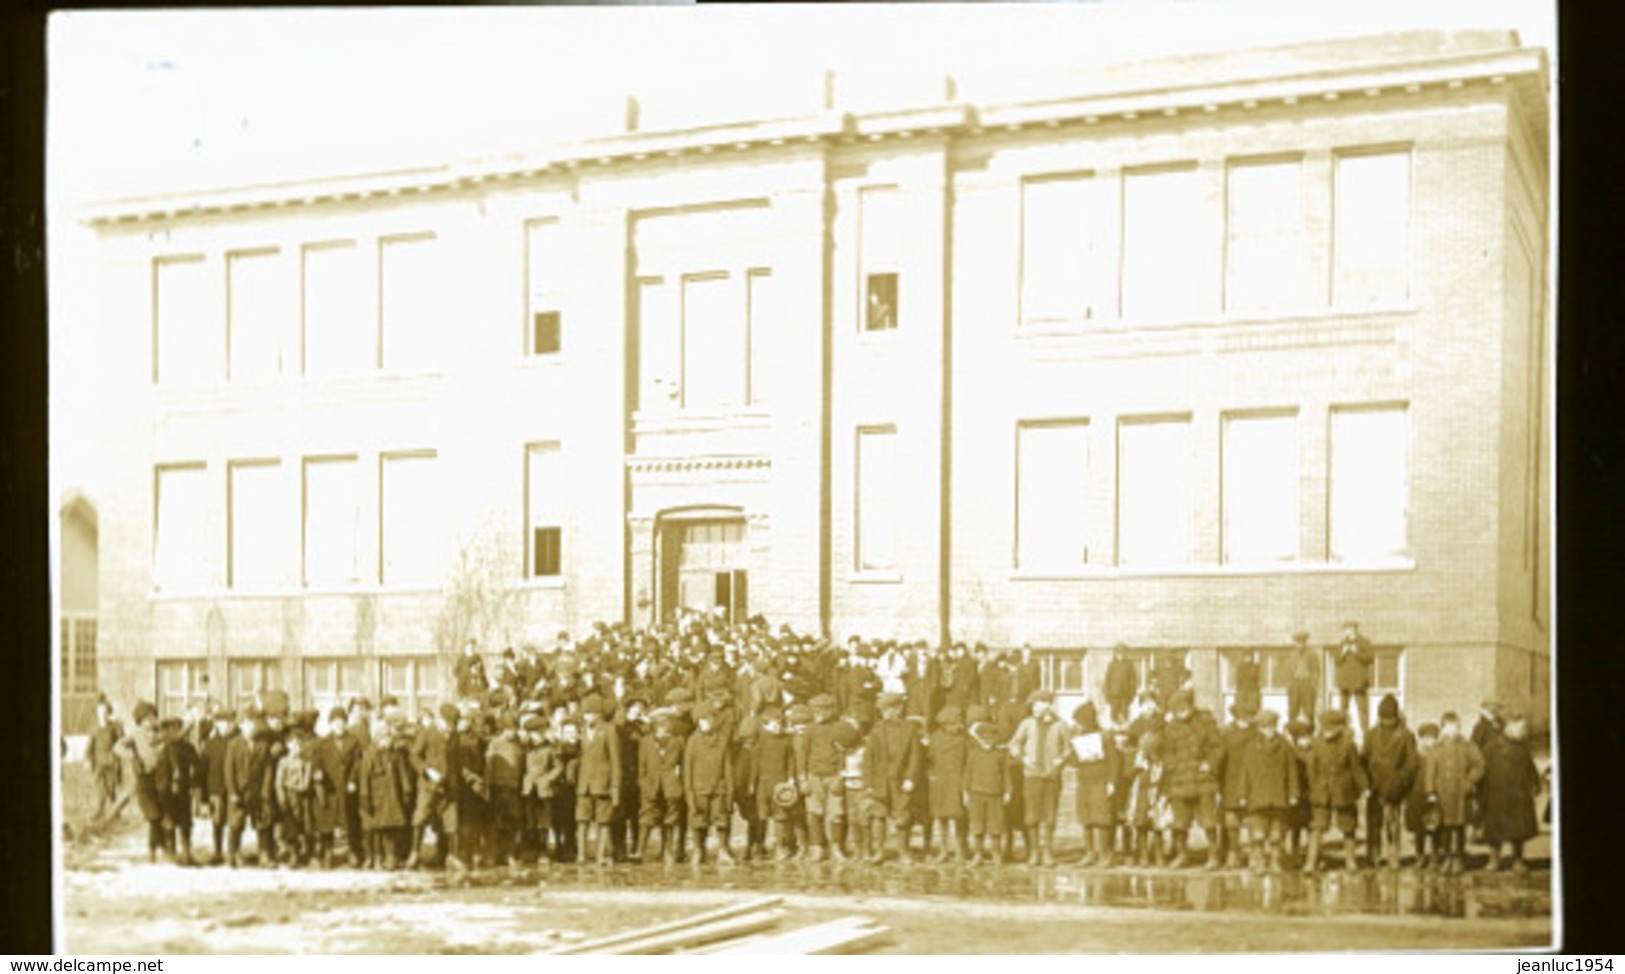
(1353, 674)
(882, 314)
(1304, 679)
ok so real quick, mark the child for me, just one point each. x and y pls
(1389, 752)
(1096, 760)
(1269, 788)
(1146, 810)
(660, 785)
(1449, 775)
(945, 770)
(175, 776)
(214, 765)
(1336, 779)
(799, 717)
(294, 776)
(1422, 816)
(987, 786)
(542, 770)
(773, 765)
(707, 776)
(1510, 784)
(385, 805)
(1126, 746)
(1235, 739)
(1302, 734)
(504, 773)
(564, 793)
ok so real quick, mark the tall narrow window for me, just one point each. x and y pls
(414, 681)
(338, 338)
(1371, 249)
(84, 656)
(544, 274)
(1165, 268)
(411, 287)
(409, 521)
(1260, 484)
(659, 348)
(330, 683)
(332, 529)
(1063, 250)
(714, 349)
(181, 683)
(1052, 477)
(762, 315)
(544, 510)
(1154, 498)
(188, 337)
(877, 499)
(258, 526)
(1370, 483)
(1266, 268)
(249, 677)
(180, 551)
(260, 310)
(881, 246)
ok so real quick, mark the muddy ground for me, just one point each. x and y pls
(115, 902)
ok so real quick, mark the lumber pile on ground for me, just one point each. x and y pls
(744, 928)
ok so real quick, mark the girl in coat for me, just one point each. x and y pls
(1449, 774)
(1509, 787)
(1095, 758)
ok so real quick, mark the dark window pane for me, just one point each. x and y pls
(545, 548)
(544, 332)
(880, 304)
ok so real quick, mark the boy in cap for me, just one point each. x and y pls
(988, 784)
(946, 755)
(238, 780)
(1192, 754)
(823, 788)
(798, 718)
(176, 775)
(1352, 671)
(214, 771)
(1337, 779)
(1303, 679)
(773, 767)
(1146, 806)
(894, 767)
(336, 758)
(1301, 734)
(1422, 816)
(384, 797)
(504, 774)
(1234, 741)
(542, 770)
(1389, 754)
(662, 798)
(707, 779)
(436, 776)
(1268, 789)
(1040, 745)
(598, 789)
(1451, 770)
(294, 799)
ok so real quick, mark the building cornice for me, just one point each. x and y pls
(642, 465)
(1526, 67)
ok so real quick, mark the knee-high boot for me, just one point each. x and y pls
(1311, 859)
(837, 839)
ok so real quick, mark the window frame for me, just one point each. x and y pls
(358, 574)
(205, 580)
(1154, 419)
(411, 584)
(381, 245)
(1082, 500)
(878, 259)
(194, 680)
(1408, 150)
(1407, 554)
(531, 519)
(1289, 413)
(1275, 305)
(232, 584)
(1126, 309)
(859, 550)
(536, 291)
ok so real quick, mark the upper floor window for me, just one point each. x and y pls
(332, 522)
(761, 299)
(1052, 480)
(338, 337)
(1155, 503)
(1259, 487)
(1166, 266)
(186, 336)
(714, 341)
(877, 502)
(1266, 267)
(410, 287)
(1063, 249)
(410, 516)
(544, 276)
(1370, 483)
(258, 519)
(544, 511)
(259, 312)
(881, 246)
(1371, 246)
(180, 560)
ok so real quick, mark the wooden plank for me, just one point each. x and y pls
(843, 936)
(672, 926)
(662, 943)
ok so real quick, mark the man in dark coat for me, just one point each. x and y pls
(1192, 755)
(895, 766)
(1352, 671)
(1122, 682)
(1509, 786)
(1303, 679)
(1391, 763)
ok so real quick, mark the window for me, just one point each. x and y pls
(1165, 275)
(881, 247)
(248, 677)
(714, 342)
(1370, 483)
(338, 340)
(1387, 676)
(659, 347)
(1154, 499)
(330, 683)
(414, 681)
(544, 510)
(78, 655)
(186, 335)
(762, 293)
(258, 310)
(1052, 482)
(409, 521)
(1063, 249)
(1371, 246)
(332, 530)
(1265, 264)
(256, 541)
(1259, 487)
(877, 499)
(1063, 671)
(181, 683)
(180, 551)
(544, 271)
(410, 286)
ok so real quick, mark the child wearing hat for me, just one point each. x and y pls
(798, 718)
(1234, 741)
(536, 789)
(176, 775)
(1301, 733)
(504, 776)
(661, 796)
(1146, 811)
(384, 796)
(895, 766)
(1094, 757)
(774, 767)
(1269, 788)
(294, 800)
(946, 755)
(823, 787)
(1451, 771)
(1421, 815)
(1336, 779)
(1040, 744)
(987, 786)
(707, 781)
(141, 750)
(1509, 787)
(214, 775)
(598, 789)
(1389, 754)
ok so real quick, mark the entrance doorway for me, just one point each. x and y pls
(703, 567)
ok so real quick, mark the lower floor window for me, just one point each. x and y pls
(182, 683)
(414, 681)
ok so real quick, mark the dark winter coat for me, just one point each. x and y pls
(1188, 746)
(1122, 682)
(600, 772)
(1509, 787)
(945, 760)
(895, 756)
(504, 764)
(707, 765)
(1390, 761)
(988, 769)
(1353, 666)
(1269, 774)
(660, 768)
(774, 763)
(1232, 764)
(1337, 779)
(214, 763)
(385, 788)
(1451, 769)
(1096, 780)
(337, 762)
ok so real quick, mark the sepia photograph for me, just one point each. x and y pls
(919, 479)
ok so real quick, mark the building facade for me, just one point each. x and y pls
(1184, 358)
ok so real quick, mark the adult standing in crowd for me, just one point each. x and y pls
(1353, 674)
(1303, 685)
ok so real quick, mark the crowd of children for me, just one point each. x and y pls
(653, 746)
